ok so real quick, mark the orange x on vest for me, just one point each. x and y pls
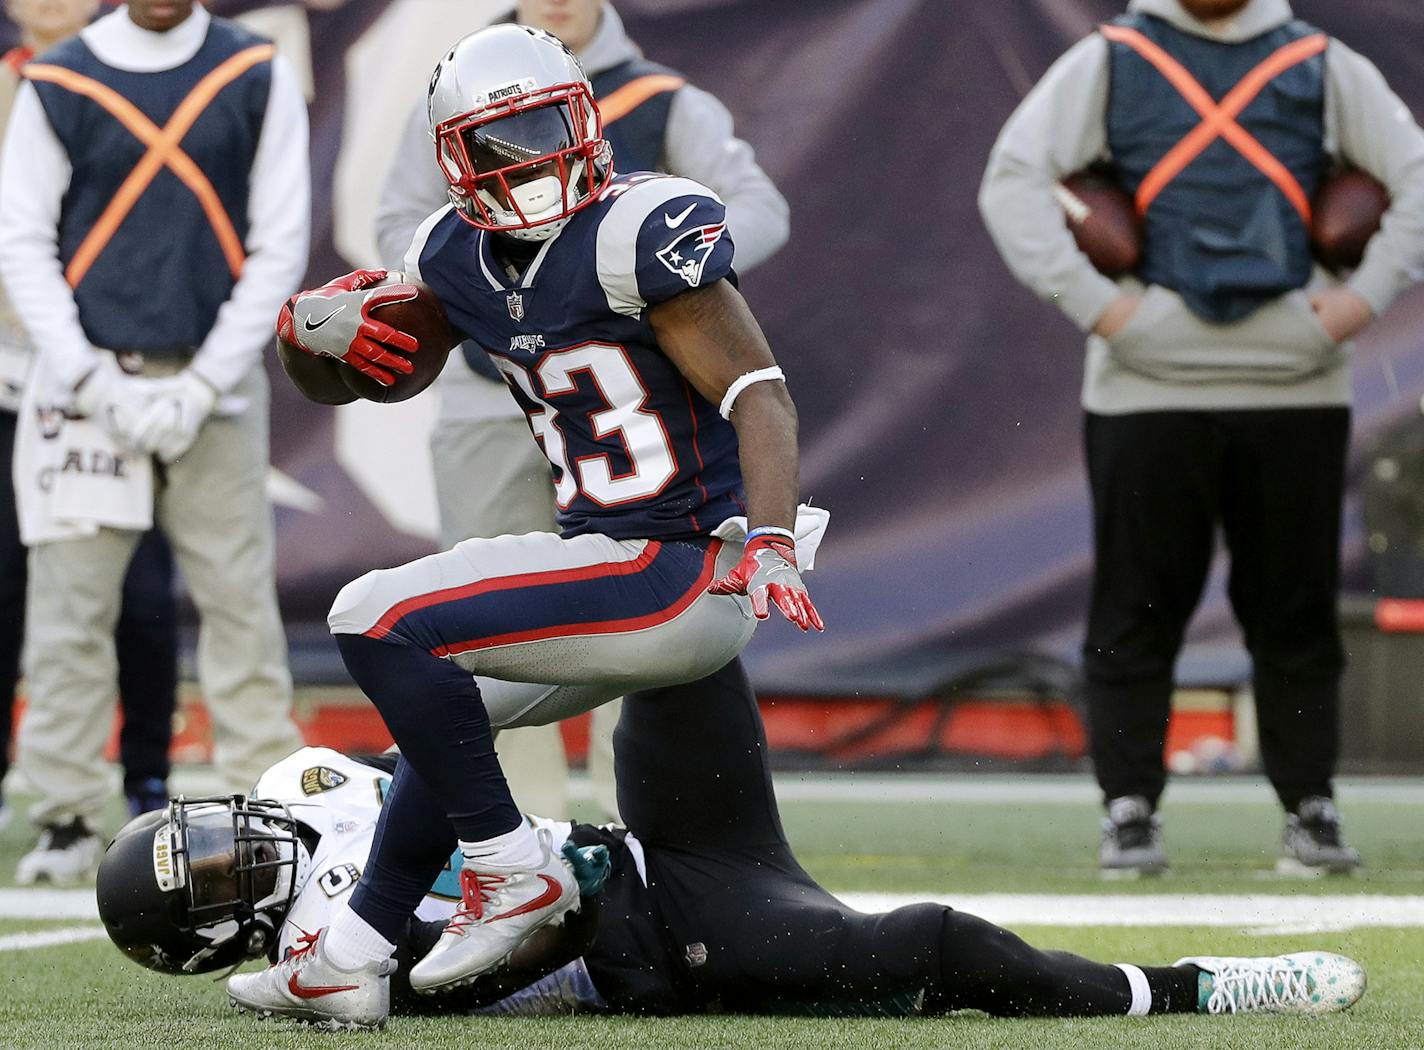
(164, 150)
(633, 94)
(1219, 120)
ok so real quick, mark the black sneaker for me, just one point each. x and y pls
(1132, 839)
(65, 854)
(1312, 843)
(146, 796)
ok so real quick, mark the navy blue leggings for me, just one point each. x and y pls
(448, 784)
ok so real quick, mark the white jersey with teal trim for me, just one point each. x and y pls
(340, 799)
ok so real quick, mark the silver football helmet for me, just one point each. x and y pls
(517, 132)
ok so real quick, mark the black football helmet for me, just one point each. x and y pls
(201, 885)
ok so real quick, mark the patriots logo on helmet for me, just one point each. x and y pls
(687, 255)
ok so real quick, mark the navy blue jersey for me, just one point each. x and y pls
(635, 450)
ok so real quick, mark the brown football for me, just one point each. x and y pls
(1347, 210)
(422, 317)
(1104, 223)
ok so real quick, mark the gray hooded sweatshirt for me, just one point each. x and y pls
(1166, 357)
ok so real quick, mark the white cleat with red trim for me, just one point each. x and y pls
(501, 906)
(305, 987)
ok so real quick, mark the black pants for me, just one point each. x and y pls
(146, 638)
(746, 928)
(1161, 484)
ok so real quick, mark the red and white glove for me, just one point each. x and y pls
(335, 321)
(767, 574)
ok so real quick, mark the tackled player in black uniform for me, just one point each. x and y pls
(706, 908)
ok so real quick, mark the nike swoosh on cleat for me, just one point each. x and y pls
(550, 896)
(307, 323)
(674, 223)
(316, 991)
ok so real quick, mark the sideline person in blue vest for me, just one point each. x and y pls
(146, 641)
(490, 477)
(1217, 382)
(154, 213)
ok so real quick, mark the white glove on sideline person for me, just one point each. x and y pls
(113, 398)
(170, 424)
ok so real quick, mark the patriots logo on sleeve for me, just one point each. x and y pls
(687, 255)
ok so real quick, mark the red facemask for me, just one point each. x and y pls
(550, 131)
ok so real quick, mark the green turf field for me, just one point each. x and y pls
(1222, 842)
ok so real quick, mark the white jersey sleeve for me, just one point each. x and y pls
(411, 264)
(340, 799)
(661, 236)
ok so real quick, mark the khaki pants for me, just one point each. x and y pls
(491, 479)
(213, 506)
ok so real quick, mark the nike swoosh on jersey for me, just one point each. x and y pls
(551, 894)
(307, 323)
(316, 991)
(674, 223)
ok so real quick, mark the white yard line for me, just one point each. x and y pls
(1256, 913)
(1056, 789)
(18, 942)
(48, 904)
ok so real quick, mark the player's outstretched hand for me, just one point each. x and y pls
(335, 321)
(767, 574)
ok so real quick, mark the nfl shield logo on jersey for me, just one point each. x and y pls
(515, 302)
(687, 256)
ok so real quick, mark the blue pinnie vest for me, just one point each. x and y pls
(1226, 226)
(636, 97)
(152, 240)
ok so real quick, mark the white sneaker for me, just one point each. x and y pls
(501, 907)
(1302, 983)
(64, 855)
(306, 987)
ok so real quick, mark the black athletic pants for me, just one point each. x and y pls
(1161, 484)
(146, 638)
(750, 930)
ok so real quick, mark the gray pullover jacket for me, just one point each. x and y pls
(1166, 357)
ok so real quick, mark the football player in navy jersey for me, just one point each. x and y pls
(609, 305)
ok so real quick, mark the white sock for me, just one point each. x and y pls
(519, 848)
(352, 943)
(1141, 991)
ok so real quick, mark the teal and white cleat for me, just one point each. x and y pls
(1301, 983)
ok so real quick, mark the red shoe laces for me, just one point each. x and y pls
(476, 889)
(308, 942)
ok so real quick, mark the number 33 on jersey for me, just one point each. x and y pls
(636, 452)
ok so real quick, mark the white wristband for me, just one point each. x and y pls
(746, 379)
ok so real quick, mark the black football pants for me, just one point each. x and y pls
(752, 931)
(1162, 482)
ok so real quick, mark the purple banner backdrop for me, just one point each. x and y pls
(939, 400)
